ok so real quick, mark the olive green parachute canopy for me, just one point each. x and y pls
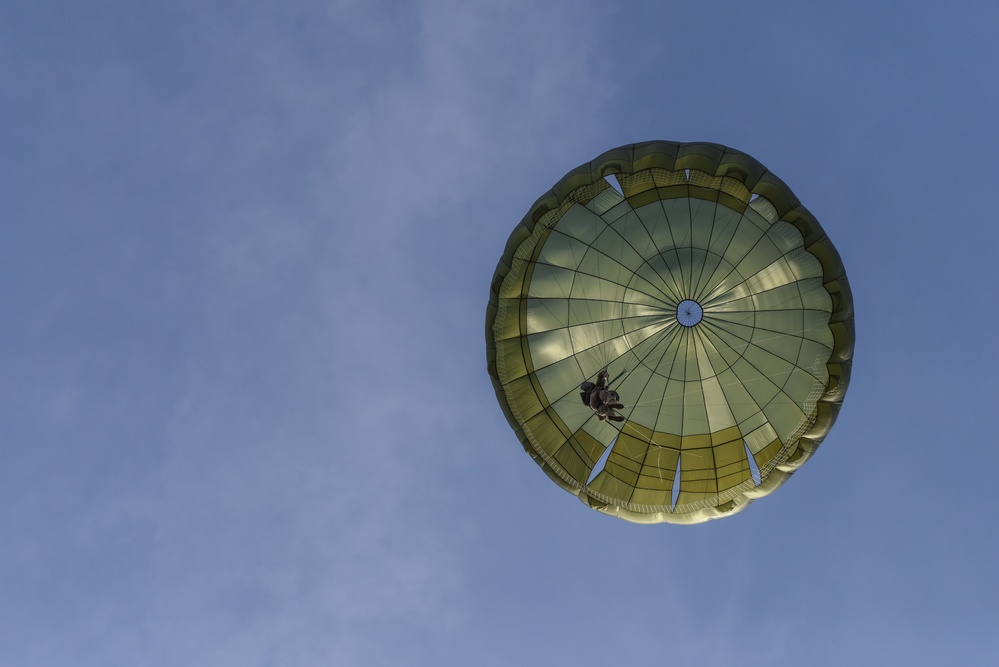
(696, 273)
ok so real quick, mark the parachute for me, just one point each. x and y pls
(696, 275)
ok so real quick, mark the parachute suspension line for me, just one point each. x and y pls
(617, 377)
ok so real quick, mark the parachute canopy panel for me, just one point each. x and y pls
(697, 274)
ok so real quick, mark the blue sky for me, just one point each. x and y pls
(245, 250)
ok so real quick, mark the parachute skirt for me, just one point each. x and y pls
(721, 408)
